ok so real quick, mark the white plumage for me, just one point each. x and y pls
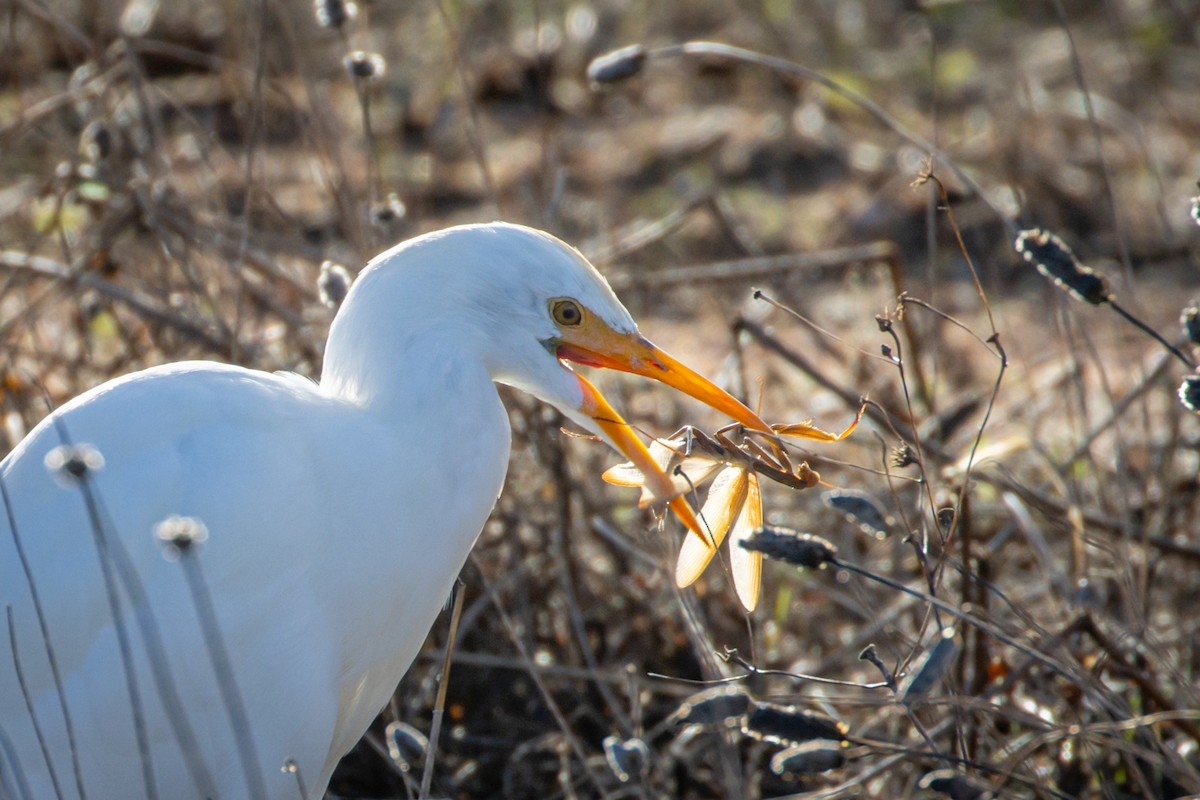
(338, 516)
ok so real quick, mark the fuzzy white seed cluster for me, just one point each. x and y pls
(72, 463)
(179, 535)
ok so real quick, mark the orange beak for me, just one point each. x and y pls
(632, 353)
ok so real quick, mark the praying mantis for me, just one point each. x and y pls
(736, 456)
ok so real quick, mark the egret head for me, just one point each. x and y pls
(529, 306)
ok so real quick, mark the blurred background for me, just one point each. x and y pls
(173, 176)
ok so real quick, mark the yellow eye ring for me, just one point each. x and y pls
(566, 313)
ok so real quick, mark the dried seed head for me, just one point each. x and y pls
(334, 13)
(955, 785)
(884, 323)
(70, 464)
(1054, 259)
(902, 456)
(1190, 320)
(1189, 393)
(819, 755)
(792, 547)
(388, 210)
(333, 283)
(871, 656)
(364, 66)
(617, 65)
(933, 667)
(179, 535)
(406, 745)
(860, 509)
(789, 725)
(629, 759)
(723, 705)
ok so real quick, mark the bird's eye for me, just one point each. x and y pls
(566, 313)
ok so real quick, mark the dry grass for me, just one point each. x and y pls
(171, 193)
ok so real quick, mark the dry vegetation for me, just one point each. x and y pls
(174, 175)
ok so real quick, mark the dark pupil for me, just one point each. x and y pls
(569, 313)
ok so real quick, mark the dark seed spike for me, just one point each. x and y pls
(861, 510)
(789, 725)
(932, 669)
(1054, 259)
(793, 547)
(617, 65)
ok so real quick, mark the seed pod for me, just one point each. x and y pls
(860, 509)
(819, 755)
(932, 669)
(789, 725)
(1054, 259)
(617, 65)
(792, 547)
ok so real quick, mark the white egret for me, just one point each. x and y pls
(337, 514)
